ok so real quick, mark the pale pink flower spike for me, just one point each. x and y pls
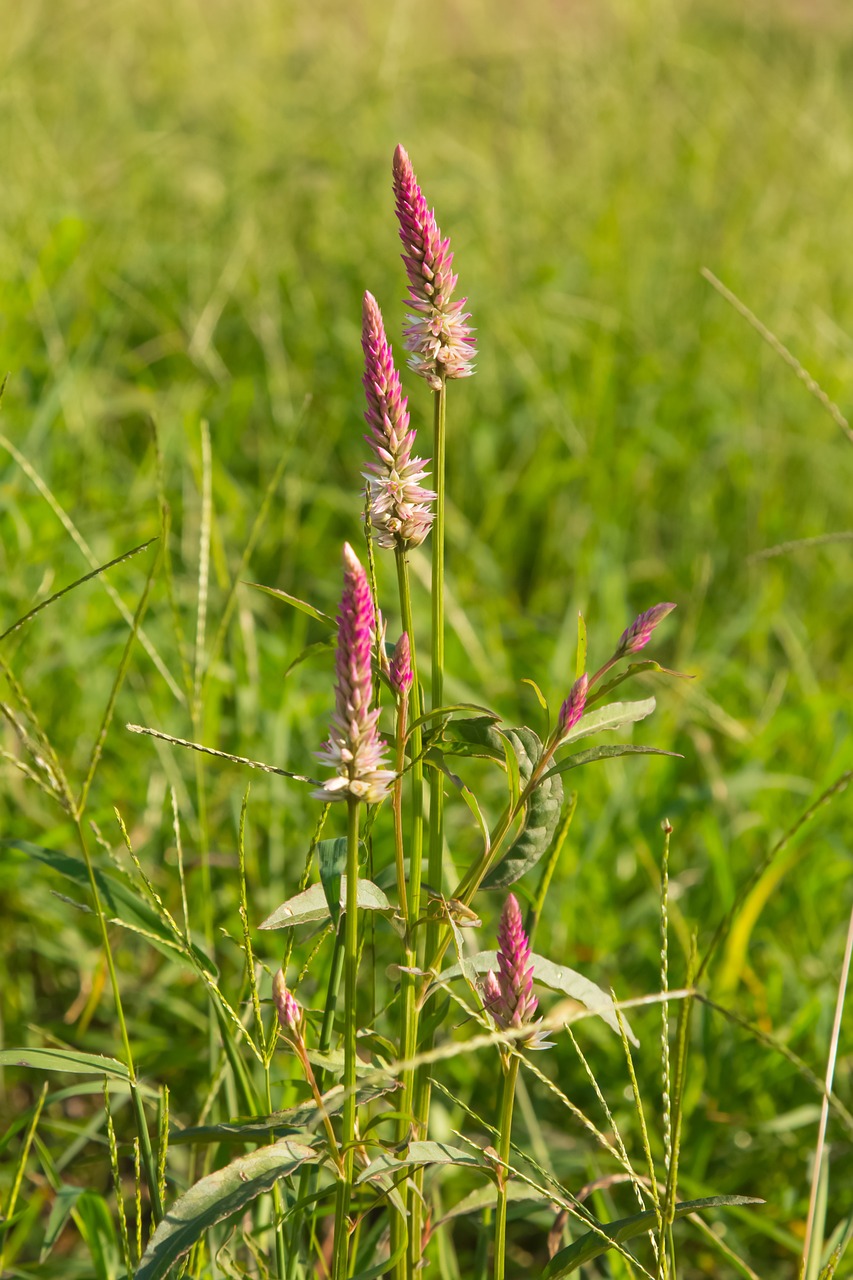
(354, 750)
(438, 337)
(508, 994)
(400, 508)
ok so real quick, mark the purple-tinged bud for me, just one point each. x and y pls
(287, 1006)
(572, 709)
(401, 666)
(354, 749)
(438, 336)
(638, 635)
(400, 507)
(508, 994)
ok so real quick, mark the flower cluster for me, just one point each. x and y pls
(402, 676)
(509, 994)
(286, 1005)
(438, 336)
(573, 707)
(400, 508)
(354, 750)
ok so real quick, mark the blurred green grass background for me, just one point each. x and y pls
(195, 197)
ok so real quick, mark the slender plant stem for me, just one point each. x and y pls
(341, 1260)
(278, 1204)
(148, 1162)
(505, 1129)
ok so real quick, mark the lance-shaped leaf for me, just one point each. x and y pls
(294, 1120)
(542, 814)
(70, 1060)
(332, 858)
(302, 605)
(616, 715)
(594, 1243)
(423, 1153)
(556, 976)
(607, 753)
(219, 1196)
(311, 906)
(474, 736)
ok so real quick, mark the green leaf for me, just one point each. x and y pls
(120, 899)
(311, 906)
(302, 605)
(299, 1119)
(648, 665)
(486, 1198)
(60, 1211)
(475, 736)
(616, 715)
(580, 662)
(436, 759)
(542, 814)
(83, 1064)
(332, 856)
(422, 1153)
(218, 1196)
(607, 753)
(97, 1229)
(559, 978)
(595, 1243)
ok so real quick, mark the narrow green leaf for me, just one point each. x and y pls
(422, 1153)
(594, 1243)
(311, 906)
(541, 817)
(299, 1119)
(559, 978)
(486, 1198)
(332, 856)
(216, 1197)
(580, 662)
(540, 696)
(607, 753)
(301, 605)
(60, 1211)
(648, 665)
(71, 1060)
(120, 897)
(436, 759)
(616, 715)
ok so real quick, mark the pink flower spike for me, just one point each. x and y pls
(638, 635)
(438, 337)
(287, 1006)
(400, 508)
(354, 750)
(401, 666)
(509, 994)
(573, 708)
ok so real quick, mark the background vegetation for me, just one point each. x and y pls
(195, 197)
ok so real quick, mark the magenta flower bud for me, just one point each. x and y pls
(287, 1006)
(401, 666)
(508, 994)
(639, 633)
(438, 337)
(572, 709)
(400, 508)
(354, 749)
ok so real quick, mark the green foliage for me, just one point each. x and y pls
(193, 204)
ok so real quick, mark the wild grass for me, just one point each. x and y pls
(195, 199)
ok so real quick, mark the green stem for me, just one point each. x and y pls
(505, 1128)
(341, 1255)
(148, 1161)
(278, 1204)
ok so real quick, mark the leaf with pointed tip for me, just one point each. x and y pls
(580, 661)
(542, 814)
(302, 605)
(607, 753)
(218, 1196)
(332, 857)
(121, 900)
(486, 1198)
(71, 1060)
(294, 1120)
(636, 668)
(422, 1153)
(60, 1211)
(435, 758)
(311, 906)
(475, 736)
(616, 715)
(559, 978)
(595, 1243)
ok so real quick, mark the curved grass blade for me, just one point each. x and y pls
(220, 755)
(595, 1243)
(302, 605)
(69, 1060)
(57, 595)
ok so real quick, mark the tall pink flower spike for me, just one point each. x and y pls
(509, 994)
(638, 635)
(354, 750)
(400, 508)
(437, 335)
